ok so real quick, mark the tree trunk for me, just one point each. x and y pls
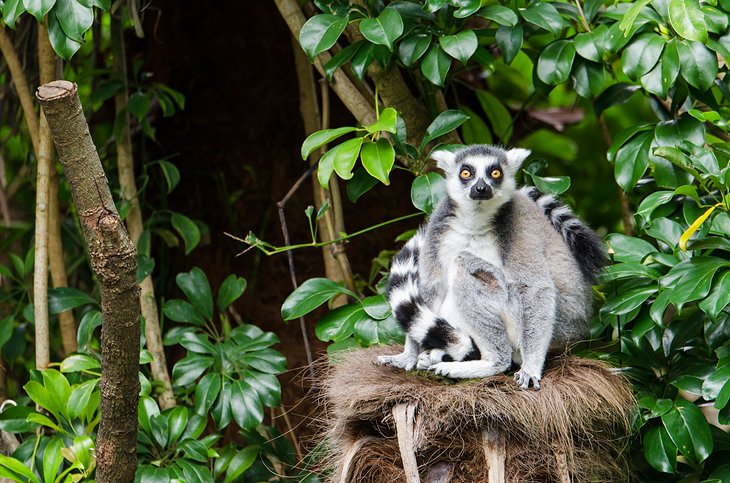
(114, 261)
(47, 70)
(125, 167)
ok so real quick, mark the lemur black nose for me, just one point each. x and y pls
(480, 188)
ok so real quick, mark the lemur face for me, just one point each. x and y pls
(480, 173)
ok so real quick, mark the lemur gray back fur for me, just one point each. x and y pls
(496, 274)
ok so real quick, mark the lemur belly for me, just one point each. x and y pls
(483, 245)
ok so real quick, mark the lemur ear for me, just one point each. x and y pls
(516, 156)
(444, 159)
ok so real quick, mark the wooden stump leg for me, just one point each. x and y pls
(563, 472)
(405, 416)
(495, 454)
(346, 475)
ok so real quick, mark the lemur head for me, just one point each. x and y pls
(480, 173)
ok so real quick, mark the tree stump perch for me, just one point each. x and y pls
(391, 426)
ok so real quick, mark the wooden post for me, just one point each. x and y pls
(495, 454)
(405, 416)
(563, 471)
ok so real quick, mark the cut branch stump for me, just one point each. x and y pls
(114, 261)
(386, 425)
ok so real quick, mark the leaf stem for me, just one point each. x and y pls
(273, 250)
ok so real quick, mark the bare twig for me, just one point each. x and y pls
(626, 215)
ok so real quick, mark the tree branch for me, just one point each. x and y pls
(347, 92)
(114, 261)
(21, 87)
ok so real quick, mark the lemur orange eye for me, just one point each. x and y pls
(465, 174)
(496, 173)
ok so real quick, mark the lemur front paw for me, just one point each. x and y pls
(428, 358)
(402, 361)
(524, 378)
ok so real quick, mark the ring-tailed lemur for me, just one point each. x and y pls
(496, 274)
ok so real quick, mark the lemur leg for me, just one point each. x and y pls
(483, 299)
(538, 320)
(405, 360)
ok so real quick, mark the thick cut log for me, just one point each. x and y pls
(405, 424)
(495, 455)
(114, 261)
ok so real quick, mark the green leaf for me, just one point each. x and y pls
(339, 323)
(44, 420)
(427, 190)
(345, 156)
(384, 29)
(362, 59)
(378, 159)
(90, 321)
(509, 41)
(460, 46)
(413, 47)
(386, 121)
(320, 33)
(206, 392)
(241, 462)
(310, 295)
(659, 450)
(499, 14)
(67, 298)
(188, 369)
(197, 342)
(689, 430)
(177, 421)
(360, 184)
(13, 419)
(715, 382)
(230, 290)
(182, 311)
(319, 138)
(497, 114)
(632, 159)
(665, 230)
(59, 389)
(341, 58)
(435, 65)
(187, 229)
(642, 55)
(688, 20)
(554, 185)
(38, 8)
(629, 300)
(591, 45)
(146, 409)
(376, 307)
(197, 289)
(544, 15)
(145, 266)
(555, 62)
(52, 459)
(11, 464)
(627, 23)
(6, 330)
(718, 298)
(697, 64)
(589, 77)
(139, 105)
(268, 361)
(195, 450)
(248, 412)
(444, 123)
(172, 175)
(627, 270)
(11, 10)
(267, 387)
(74, 17)
(614, 95)
(79, 399)
(78, 363)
